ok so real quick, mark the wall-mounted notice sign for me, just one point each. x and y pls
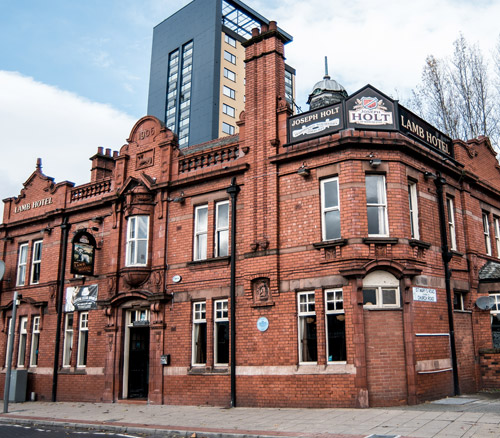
(424, 294)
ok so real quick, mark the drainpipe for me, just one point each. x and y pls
(60, 294)
(233, 191)
(447, 255)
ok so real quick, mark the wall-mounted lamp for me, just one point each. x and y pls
(7, 239)
(304, 170)
(98, 219)
(429, 175)
(178, 199)
(48, 230)
(375, 162)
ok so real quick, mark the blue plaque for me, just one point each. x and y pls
(262, 324)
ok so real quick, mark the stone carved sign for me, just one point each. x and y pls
(145, 132)
(145, 159)
(261, 291)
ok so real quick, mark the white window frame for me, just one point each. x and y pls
(9, 332)
(83, 339)
(199, 319)
(380, 296)
(135, 243)
(137, 315)
(229, 74)
(200, 233)
(306, 309)
(380, 205)
(496, 303)
(496, 222)
(36, 262)
(451, 223)
(227, 128)
(22, 342)
(382, 282)
(22, 263)
(229, 40)
(221, 316)
(229, 92)
(35, 341)
(460, 303)
(68, 339)
(326, 210)
(413, 206)
(486, 232)
(221, 230)
(228, 56)
(228, 110)
(495, 311)
(333, 306)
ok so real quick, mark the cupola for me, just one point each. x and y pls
(326, 92)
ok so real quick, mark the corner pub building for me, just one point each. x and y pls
(329, 259)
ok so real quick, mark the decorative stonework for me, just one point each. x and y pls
(260, 244)
(331, 254)
(108, 311)
(111, 283)
(155, 281)
(145, 159)
(156, 313)
(261, 292)
(52, 292)
(380, 251)
(136, 275)
(331, 250)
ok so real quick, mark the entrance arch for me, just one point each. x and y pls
(134, 339)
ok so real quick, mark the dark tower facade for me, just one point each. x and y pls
(197, 78)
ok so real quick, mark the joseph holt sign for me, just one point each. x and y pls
(367, 109)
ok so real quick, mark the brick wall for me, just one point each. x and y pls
(394, 357)
(490, 368)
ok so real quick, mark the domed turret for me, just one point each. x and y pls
(326, 92)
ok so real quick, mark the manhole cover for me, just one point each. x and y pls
(454, 401)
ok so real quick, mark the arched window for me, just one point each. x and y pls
(381, 289)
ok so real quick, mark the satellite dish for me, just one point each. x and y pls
(485, 303)
(2, 269)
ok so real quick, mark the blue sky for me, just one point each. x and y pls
(99, 50)
(74, 74)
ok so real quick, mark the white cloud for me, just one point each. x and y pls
(62, 128)
(381, 43)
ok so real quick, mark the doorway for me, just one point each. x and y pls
(138, 368)
(136, 355)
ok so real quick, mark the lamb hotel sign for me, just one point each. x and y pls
(33, 205)
(367, 109)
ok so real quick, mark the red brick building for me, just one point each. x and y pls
(328, 259)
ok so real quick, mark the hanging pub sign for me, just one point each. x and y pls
(81, 298)
(322, 121)
(415, 127)
(83, 253)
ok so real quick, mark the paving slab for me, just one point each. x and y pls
(475, 416)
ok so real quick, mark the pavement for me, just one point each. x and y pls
(468, 416)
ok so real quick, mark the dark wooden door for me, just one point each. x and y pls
(138, 372)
